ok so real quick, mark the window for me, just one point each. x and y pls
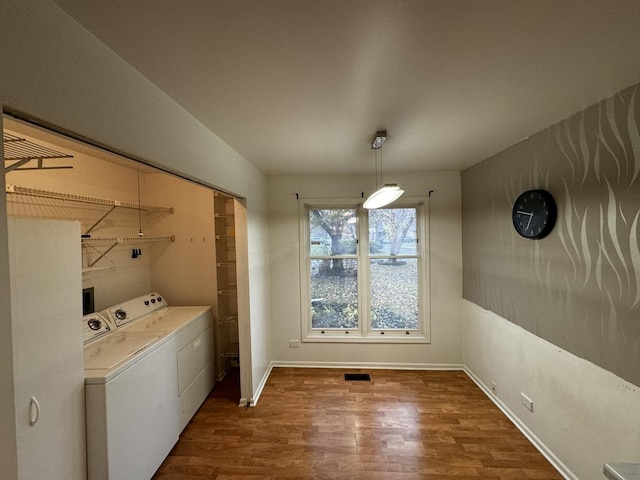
(364, 273)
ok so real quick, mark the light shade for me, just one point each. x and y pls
(383, 196)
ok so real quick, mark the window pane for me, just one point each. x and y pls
(334, 293)
(392, 231)
(394, 294)
(333, 231)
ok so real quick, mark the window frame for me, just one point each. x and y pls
(365, 333)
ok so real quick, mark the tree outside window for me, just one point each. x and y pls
(334, 268)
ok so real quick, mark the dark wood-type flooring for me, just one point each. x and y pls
(312, 424)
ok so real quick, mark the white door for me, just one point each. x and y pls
(46, 311)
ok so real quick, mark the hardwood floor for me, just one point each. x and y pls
(312, 424)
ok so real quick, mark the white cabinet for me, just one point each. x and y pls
(46, 308)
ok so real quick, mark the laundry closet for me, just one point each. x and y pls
(142, 230)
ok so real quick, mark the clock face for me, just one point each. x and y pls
(534, 214)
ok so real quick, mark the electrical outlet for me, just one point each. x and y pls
(526, 401)
(294, 343)
(494, 388)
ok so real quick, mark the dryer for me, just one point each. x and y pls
(192, 327)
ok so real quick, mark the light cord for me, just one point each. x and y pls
(140, 234)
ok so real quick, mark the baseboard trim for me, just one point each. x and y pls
(535, 441)
(345, 365)
(368, 365)
(256, 395)
(222, 375)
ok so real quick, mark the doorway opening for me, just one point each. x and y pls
(144, 229)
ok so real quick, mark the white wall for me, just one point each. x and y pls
(259, 295)
(184, 270)
(582, 413)
(53, 69)
(445, 347)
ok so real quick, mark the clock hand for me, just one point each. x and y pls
(525, 213)
(529, 222)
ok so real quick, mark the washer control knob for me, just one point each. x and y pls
(159, 299)
(146, 302)
(94, 324)
(121, 314)
(153, 300)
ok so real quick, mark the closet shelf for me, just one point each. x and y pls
(111, 205)
(89, 271)
(110, 243)
(101, 241)
(16, 189)
(225, 264)
(231, 351)
(22, 151)
(231, 320)
(227, 291)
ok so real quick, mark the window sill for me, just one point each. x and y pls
(351, 338)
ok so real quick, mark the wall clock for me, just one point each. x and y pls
(534, 214)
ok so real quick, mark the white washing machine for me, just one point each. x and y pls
(130, 385)
(192, 327)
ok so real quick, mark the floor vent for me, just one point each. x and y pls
(363, 377)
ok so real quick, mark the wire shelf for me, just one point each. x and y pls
(111, 243)
(17, 148)
(22, 151)
(101, 241)
(33, 192)
(229, 263)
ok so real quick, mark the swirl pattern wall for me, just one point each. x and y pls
(579, 287)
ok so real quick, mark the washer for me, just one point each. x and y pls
(130, 385)
(192, 327)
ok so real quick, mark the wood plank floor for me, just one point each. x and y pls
(312, 424)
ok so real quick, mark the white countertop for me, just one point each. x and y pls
(622, 471)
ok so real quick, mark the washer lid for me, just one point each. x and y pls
(116, 348)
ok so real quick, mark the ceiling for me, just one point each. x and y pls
(301, 86)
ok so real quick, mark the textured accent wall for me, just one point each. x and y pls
(579, 287)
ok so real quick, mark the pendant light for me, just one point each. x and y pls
(389, 192)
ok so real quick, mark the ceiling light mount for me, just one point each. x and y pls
(385, 193)
(379, 139)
